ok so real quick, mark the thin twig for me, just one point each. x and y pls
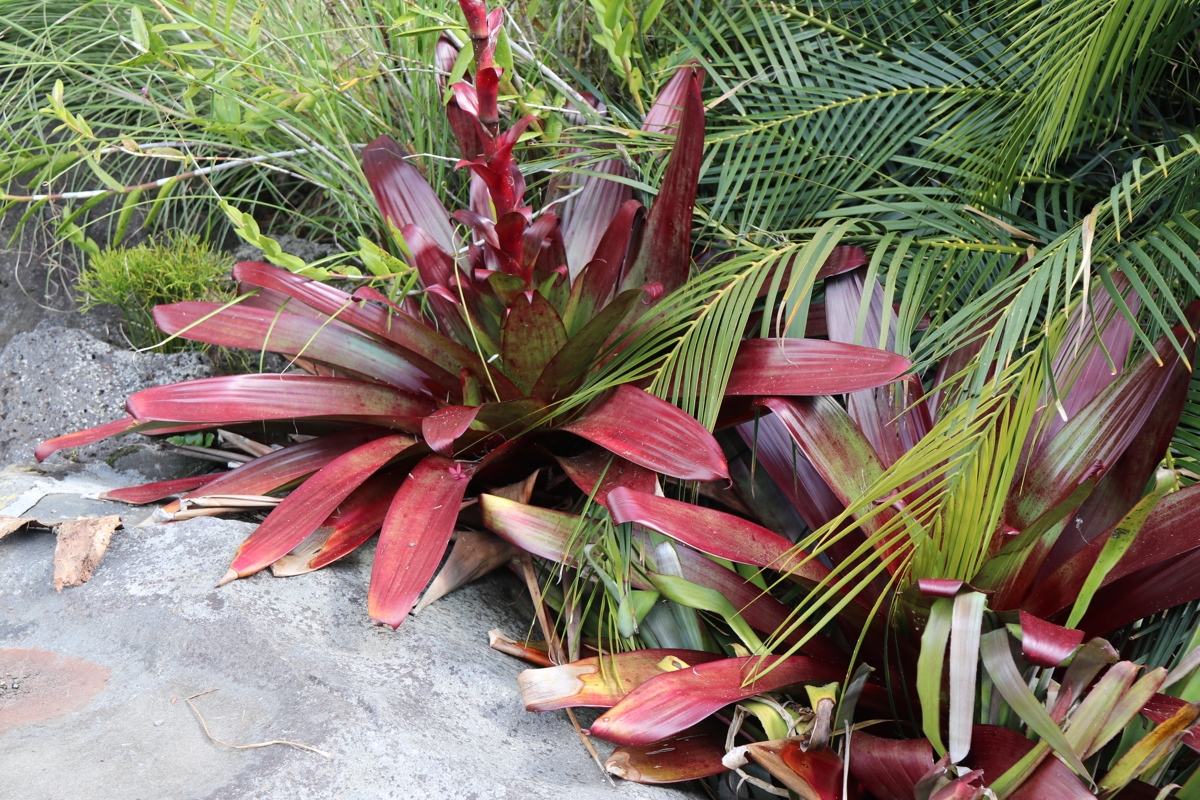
(207, 733)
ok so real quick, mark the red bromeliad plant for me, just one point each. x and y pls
(999, 532)
(411, 407)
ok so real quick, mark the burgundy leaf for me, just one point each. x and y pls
(653, 433)
(994, 749)
(665, 254)
(791, 470)
(404, 196)
(81, 438)
(811, 367)
(1161, 708)
(1046, 644)
(302, 511)
(890, 769)
(672, 702)
(260, 397)
(292, 334)
(414, 536)
(940, 587)
(571, 364)
(1168, 583)
(588, 215)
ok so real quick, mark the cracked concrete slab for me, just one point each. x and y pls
(426, 711)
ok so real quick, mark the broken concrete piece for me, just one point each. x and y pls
(81, 545)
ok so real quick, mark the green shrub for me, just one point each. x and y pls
(171, 269)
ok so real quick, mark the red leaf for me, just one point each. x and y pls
(791, 470)
(1168, 583)
(601, 681)
(890, 769)
(694, 753)
(598, 465)
(149, 492)
(994, 749)
(653, 433)
(1046, 644)
(443, 426)
(587, 217)
(273, 471)
(1167, 534)
(355, 520)
(414, 536)
(667, 110)
(665, 254)
(822, 770)
(710, 531)
(403, 194)
(302, 511)
(595, 285)
(670, 703)
(280, 332)
(940, 587)
(236, 398)
(811, 367)
(114, 428)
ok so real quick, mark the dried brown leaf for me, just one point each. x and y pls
(81, 545)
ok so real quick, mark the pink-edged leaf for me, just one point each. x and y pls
(276, 470)
(599, 471)
(439, 356)
(1168, 533)
(533, 334)
(666, 111)
(889, 768)
(690, 755)
(1046, 644)
(597, 282)
(150, 492)
(292, 334)
(567, 369)
(260, 397)
(602, 681)
(672, 702)
(542, 531)
(443, 426)
(353, 522)
(1161, 707)
(114, 428)
(651, 432)
(403, 194)
(791, 470)
(665, 253)
(414, 536)
(1099, 433)
(811, 367)
(711, 531)
(302, 511)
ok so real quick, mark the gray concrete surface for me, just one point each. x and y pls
(103, 670)
(56, 380)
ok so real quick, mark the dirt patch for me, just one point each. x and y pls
(38, 684)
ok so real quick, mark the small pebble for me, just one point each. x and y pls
(157, 723)
(16, 686)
